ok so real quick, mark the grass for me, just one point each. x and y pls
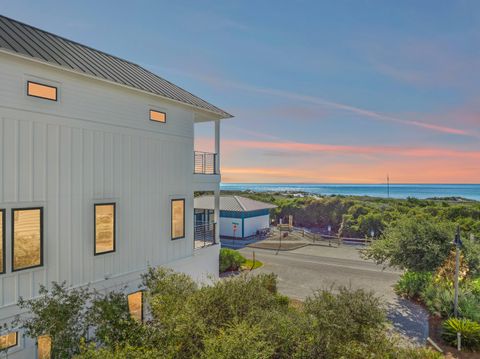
(250, 265)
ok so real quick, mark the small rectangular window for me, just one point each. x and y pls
(178, 218)
(27, 246)
(9, 340)
(135, 305)
(2, 241)
(44, 350)
(42, 91)
(104, 228)
(158, 116)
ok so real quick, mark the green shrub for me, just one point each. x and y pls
(469, 330)
(230, 260)
(240, 340)
(412, 284)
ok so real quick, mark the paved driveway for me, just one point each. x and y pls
(302, 271)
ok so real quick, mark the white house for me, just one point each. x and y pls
(97, 172)
(240, 217)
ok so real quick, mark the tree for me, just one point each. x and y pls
(419, 244)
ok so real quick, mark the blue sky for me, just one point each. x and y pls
(337, 91)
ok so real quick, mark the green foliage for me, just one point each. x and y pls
(411, 285)
(60, 313)
(113, 324)
(240, 317)
(240, 340)
(230, 260)
(415, 244)
(469, 330)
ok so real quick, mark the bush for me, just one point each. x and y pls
(469, 330)
(411, 285)
(415, 244)
(240, 340)
(230, 260)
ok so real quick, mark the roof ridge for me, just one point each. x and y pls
(237, 198)
(69, 40)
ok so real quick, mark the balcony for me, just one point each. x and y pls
(204, 235)
(205, 163)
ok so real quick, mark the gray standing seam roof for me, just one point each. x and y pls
(232, 203)
(32, 42)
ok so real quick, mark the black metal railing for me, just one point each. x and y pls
(205, 163)
(204, 235)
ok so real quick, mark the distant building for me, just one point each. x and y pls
(240, 217)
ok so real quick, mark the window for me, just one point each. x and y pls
(44, 349)
(9, 340)
(158, 116)
(27, 229)
(42, 91)
(178, 218)
(104, 228)
(2, 241)
(135, 305)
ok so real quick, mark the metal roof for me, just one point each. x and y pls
(231, 203)
(29, 41)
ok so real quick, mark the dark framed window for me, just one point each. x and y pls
(104, 231)
(178, 218)
(9, 340)
(44, 347)
(39, 90)
(2, 242)
(158, 116)
(27, 238)
(135, 305)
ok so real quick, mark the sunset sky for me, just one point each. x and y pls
(322, 92)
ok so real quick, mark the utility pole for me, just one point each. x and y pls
(458, 245)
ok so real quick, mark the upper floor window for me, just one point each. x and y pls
(27, 238)
(158, 116)
(42, 91)
(104, 228)
(135, 305)
(178, 218)
(2, 241)
(9, 340)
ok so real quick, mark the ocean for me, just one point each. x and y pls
(421, 191)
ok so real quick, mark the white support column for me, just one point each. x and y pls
(216, 215)
(217, 146)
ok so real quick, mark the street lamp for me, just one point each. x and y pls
(329, 228)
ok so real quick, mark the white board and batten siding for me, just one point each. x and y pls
(95, 144)
(254, 224)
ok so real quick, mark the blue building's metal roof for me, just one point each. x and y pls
(28, 41)
(232, 203)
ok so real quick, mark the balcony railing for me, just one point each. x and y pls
(205, 163)
(204, 235)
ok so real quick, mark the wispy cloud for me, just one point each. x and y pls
(308, 148)
(323, 102)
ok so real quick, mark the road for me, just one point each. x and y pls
(302, 271)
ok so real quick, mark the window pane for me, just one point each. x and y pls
(2, 241)
(104, 228)
(43, 91)
(135, 305)
(8, 340)
(27, 238)
(178, 216)
(158, 116)
(44, 347)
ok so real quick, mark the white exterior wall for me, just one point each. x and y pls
(226, 227)
(253, 224)
(95, 144)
